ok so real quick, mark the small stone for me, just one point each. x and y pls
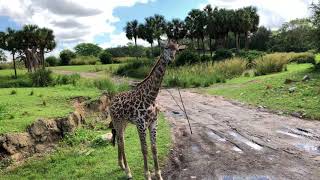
(218, 152)
(296, 114)
(193, 177)
(292, 89)
(306, 78)
(107, 137)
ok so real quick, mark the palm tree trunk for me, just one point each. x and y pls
(246, 41)
(151, 49)
(159, 44)
(203, 47)
(210, 46)
(198, 47)
(135, 43)
(237, 41)
(14, 66)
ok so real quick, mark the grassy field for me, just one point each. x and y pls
(83, 156)
(272, 92)
(19, 107)
(88, 68)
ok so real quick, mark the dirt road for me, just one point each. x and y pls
(233, 141)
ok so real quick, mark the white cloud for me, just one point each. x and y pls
(73, 21)
(272, 12)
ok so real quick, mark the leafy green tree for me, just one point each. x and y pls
(315, 19)
(146, 31)
(159, 27)
(9, 42)
(105, 57)
(87, 49)
(66, 56)
(260, 39)
(52, 61)
(45, 42)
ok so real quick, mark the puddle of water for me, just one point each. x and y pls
(212, 135)
(237, 149)
(245, 140)
(309, 148)
(289, 134)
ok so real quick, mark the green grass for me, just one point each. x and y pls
(270, 90)
(21, 109)
(84, 161)
(87, 68)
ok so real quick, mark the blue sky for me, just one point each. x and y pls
(102, 21)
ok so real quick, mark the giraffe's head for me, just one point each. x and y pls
(169, 50)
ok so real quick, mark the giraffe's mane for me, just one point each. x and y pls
(146, 78)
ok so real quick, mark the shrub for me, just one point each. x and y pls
(109, 86)
(105, 57)
(205, 58)
(66, 56)
(13, 92)
(52, 61)
(272, 63)
(250, 54)
(306, 57)
(187, 57)
(230, 68)
(67, 79)
(84, 60)
(41, 78)
(222, 54)
(5, 66)
(136, 68)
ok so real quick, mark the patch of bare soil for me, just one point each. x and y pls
(234, 141)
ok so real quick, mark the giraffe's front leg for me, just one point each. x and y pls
(153, 138)
(144, 148)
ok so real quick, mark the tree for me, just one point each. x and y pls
(45, 41)
(315, 7)
(176, 29)
(9, 42)
(196, 23)
(146, 31)
(66, 56)
(105, 57)
(87, 49)
(260, 39)
(211, 27)
(52, 61)
(132, 31)
(159, 27)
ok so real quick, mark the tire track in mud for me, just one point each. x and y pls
(233, 141)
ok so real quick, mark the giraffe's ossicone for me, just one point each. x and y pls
(138, 107)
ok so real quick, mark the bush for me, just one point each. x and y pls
(306, 57)
(41, 78)
(136, 68)
(66, 56)
(67, 79)
(205, 58)
(222, 54)
(52, 61)
(109, 86)
(272, 63)
(105, 57)
(187, 57)
(84, 60)
(250, 54)
(230, 68)
(5, 66)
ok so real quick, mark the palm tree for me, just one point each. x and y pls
(132, 31)
(222, 24)
(176, 29)
(45, 42)
(210, 25)
(146, 32)
(196, 23)
(159, 27)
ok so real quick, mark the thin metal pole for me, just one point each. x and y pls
(185, 112)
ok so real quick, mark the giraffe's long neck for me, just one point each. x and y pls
(150, 86)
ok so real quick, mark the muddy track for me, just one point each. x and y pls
(233, 141)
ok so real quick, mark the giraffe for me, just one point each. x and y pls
(138, 107)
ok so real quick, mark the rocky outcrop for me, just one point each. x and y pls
(43, 134)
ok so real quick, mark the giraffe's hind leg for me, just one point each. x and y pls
(144, 148)
(153, 139)
(123, 155)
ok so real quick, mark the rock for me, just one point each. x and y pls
(288, 81)
(45, 130)
(107, 137)
(292, 89)
(306, 78)
(297, 114)
(16, 142)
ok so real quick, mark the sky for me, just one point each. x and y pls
(102, 21)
